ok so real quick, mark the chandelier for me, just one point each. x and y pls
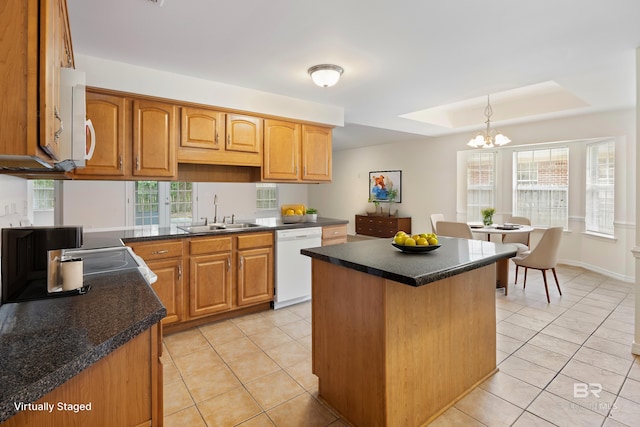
(488, 138)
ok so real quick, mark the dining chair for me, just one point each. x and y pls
(521, 238)
(543, 257)
(435, 218)
(454, 229)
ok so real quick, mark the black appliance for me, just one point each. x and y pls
(25, 259)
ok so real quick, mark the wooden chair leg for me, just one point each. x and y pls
(525, 278)
(517, 267)
(546, 288)
(555, 276)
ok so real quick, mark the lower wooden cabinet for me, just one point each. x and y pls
(124, 389)
(204, 276)
(382, 226)
(209, 284)
(168, 287)
(334, 234)
(164, 258)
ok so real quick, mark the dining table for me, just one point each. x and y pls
(502, 229)
(502, 266)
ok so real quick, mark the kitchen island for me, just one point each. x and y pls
(89, 359)
(398, 338)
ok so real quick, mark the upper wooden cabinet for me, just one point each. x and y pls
(295, 152)
(154, 139)
(244, 133)
(135, 138)
(214, 137)
(281, 150)
(110, 116)
(201, 129)
(316, 153)
(36, 43)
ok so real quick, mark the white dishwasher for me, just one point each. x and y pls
(293, 270)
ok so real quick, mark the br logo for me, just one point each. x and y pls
(582, 390)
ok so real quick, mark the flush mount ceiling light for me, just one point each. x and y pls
(489, 137)
(325, 75)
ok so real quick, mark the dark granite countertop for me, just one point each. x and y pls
(102, 239)
(45, 343)
(377, 257)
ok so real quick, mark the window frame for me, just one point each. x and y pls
(534, 181)
(473, 210)
(603, 224)
(164, 205)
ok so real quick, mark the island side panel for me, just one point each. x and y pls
(441, 341)
(348, 320)
(119, 388)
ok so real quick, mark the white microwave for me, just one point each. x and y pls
(73, 110)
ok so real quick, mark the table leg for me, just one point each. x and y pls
(502, 274)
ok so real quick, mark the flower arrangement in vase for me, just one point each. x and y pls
(487, 216)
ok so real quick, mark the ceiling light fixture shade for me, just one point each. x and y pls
(488, 138)
(325, 75)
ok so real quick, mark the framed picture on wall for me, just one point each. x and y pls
(385, 186)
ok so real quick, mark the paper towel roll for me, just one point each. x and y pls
(71, 274)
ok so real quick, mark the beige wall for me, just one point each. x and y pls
(429, 184)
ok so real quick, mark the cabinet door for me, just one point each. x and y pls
(316, 153)
(107, 113)
(169, 287)
(51, 56)
(281, 150)
(244, 133)
(154, 139)
(255, 276)
(201, 128)
(209, 284)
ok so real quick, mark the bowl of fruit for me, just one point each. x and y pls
(417, 243)
(292, 214)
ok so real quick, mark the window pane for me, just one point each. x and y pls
(541, 186)
(266, 196)
(480, 183)
(600, 194)
(43, 195)
(181, 202)
(146, 203)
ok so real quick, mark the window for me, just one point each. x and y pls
(43, 195)
(266, 196)
(480, 183)
(541, 186)
(163, 203)
(600, 187)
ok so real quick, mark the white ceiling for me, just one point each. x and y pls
(398, 56)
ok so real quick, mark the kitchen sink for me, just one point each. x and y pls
(217, 227)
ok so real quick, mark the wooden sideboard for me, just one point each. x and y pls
(382, 226)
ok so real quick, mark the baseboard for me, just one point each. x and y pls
(604, 272)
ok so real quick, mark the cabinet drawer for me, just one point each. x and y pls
(255, 240)
(158, 250)
(387, 222)
(207, 245)
(364, 220)
(334, 231)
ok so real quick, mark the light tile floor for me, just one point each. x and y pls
(567, 363)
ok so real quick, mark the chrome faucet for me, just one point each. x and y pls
(215, 208)
(206, 220)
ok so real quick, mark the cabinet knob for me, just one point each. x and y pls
(216, 141)
(179, 272)
(163, 251)
(229, 140)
